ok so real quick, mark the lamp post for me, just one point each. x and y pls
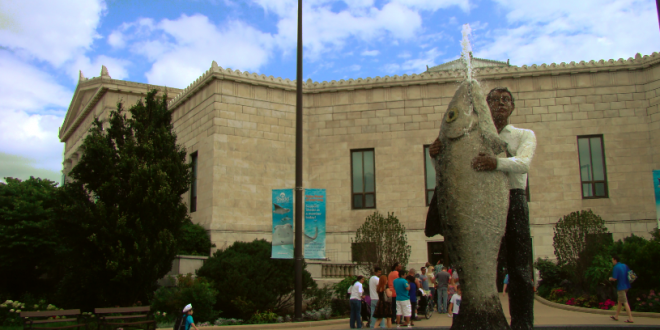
(298, 255)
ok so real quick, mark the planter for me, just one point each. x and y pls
(591, 310)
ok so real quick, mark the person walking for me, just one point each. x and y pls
(402, 289)
(394, 274)
(413, 298)
(356, 291)
(620, 275)
(442, 279)
(383, 311)
(189, 319)
(506, 283)
(373, 294)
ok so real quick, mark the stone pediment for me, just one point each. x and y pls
(458, 64)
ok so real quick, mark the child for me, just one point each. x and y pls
(189, 319)
(451, 290)
(455, 303)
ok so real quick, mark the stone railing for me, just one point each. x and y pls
(338, 270)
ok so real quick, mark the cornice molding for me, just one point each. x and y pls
(488, 73)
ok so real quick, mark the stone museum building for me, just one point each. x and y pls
(366, 142)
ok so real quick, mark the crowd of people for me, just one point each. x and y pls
(394, 297)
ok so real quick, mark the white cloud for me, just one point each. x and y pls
(354, 67)
(116, 67)
(327, 31)
(434, 5)
(22, 168)
(183, 48)
(51, 31)
(564, 31)
(374, 52)
(414, 65)
(32, 109)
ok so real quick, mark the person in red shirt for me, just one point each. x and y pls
(394, 274)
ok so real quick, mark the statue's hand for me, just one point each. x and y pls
(434, 149)
(484, 163)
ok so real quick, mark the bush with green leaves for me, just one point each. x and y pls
(189, 290)
(380, 241)
(28, 247)
(193, 240)
(320, 297)
(550, 273)
(247, 279)
(578, 238)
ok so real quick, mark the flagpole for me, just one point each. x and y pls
(298, 255)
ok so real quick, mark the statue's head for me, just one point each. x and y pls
(501, 104)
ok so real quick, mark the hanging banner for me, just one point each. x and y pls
(314, 233)
(656, 188)
(282, 207)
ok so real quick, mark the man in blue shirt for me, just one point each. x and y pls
(403, 307)
(620, 275)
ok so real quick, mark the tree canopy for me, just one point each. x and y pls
(380, 242)
(123, 209)
(28, 248)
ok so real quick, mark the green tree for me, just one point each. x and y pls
(189, 290)
(194, 240)
(578, 238)
(380, 242)
(28, 248)
(123, 210)
(640, 255)
(247, 279)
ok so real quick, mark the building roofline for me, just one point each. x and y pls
(310, 87)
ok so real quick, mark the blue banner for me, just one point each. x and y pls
(656, 188)
(314, 233)
(282, 208)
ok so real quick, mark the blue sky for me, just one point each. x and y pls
(44, 44)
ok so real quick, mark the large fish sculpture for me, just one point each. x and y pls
(471, 206)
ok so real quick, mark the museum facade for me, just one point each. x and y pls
(366, 140)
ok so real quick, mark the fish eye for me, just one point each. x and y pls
(451, 115)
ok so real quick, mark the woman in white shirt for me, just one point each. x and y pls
(356, 292)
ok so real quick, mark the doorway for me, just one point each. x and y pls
(436, 251)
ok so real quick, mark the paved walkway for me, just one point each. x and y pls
(543, 315)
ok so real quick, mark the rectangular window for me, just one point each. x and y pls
(363, 179)
(592, 166)
(429, 176)
(193, 186)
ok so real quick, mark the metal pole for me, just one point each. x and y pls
(298, 255)
(657, 7)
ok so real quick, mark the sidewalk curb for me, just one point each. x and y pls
(592, 311)
(285, 325)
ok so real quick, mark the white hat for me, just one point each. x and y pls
(187, 308)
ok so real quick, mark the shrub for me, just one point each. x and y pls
(248, 279)
(647, 303)
(607, 304)
(196, 291)
(193, 240)
(262, 318)
(380, 242)
(319, 298)
(579, 236)
(550, 273)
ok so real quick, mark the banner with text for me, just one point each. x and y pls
(656, 188)
(314, 233)
(282, 224)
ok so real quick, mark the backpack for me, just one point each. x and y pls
(180, 322)
(631, 276)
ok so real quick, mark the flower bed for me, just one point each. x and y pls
(647, 303)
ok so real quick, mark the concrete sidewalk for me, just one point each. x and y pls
(543, 316)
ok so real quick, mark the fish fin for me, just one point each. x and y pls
(494, 142)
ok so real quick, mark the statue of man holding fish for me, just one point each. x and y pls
(481, 166)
